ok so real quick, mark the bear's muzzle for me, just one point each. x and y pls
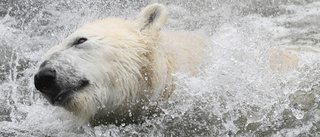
(46, 82)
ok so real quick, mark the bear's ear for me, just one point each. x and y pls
(152, 17)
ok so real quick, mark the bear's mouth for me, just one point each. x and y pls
(63, 97)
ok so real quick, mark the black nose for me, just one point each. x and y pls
(45, 79)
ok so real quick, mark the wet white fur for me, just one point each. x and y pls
(128, 61)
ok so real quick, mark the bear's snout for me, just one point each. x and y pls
(55, 89)
(45, 82)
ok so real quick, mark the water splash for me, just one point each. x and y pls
(260, 78)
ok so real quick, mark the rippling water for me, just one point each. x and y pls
(261, 76)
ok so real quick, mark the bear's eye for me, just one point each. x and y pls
(80, 41)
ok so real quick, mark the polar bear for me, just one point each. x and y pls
(114, 70)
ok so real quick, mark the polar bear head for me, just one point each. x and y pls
(103, 64)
